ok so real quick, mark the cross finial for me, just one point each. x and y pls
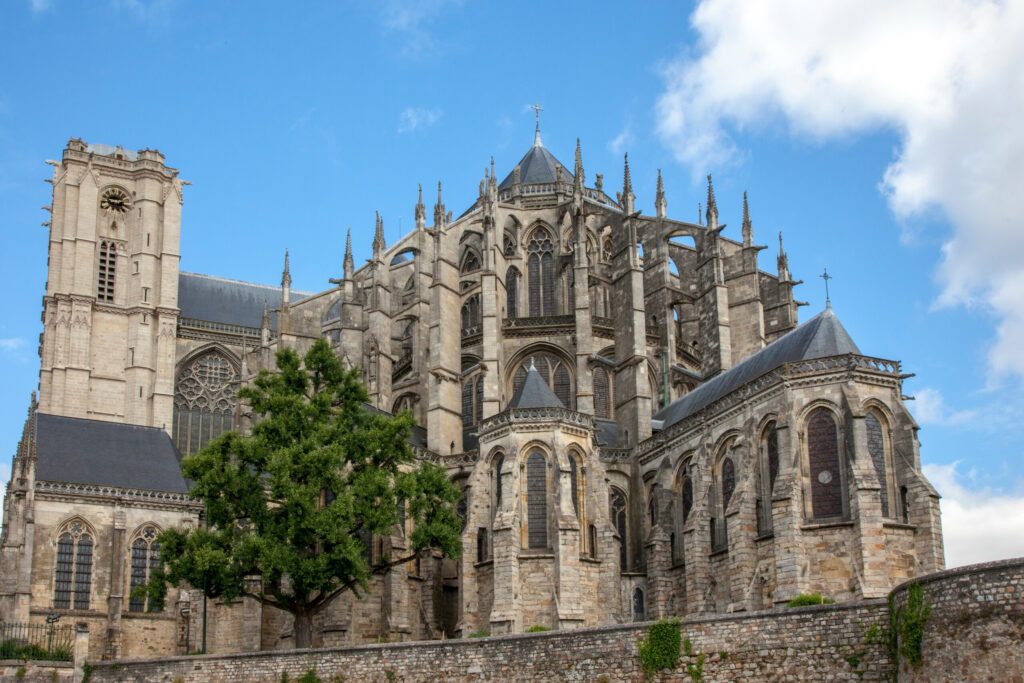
(826, 277)
(537, 109)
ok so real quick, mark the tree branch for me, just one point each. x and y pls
(387, 566)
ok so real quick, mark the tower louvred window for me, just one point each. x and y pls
(107, 271)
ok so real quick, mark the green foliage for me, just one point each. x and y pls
(695, 670)
(20, 673)
(87, 670)
(537, 628)
(310, 677)
(909, 625)
(659, 649)
(19, 649)
(805, 599)
(284, 677)
(688, 647)
(479, 634)
(267, 509)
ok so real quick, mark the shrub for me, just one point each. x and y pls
(805, 599)
(910, 625)
(659, 649)
(479, 634)
(537, 628)
(310, 677)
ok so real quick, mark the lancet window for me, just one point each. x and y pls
(541, 269)
(73, 572)
(617, 511)
(144, 558)
(107, 271)
(204, 401)
(824, 465)
(512, 292)
(536, 500)
(602, 394)
(879, 450)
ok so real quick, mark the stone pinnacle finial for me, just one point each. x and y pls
(627, 181)
(660, 203)
(421, 211)
(578, 168)
(712, 211)
(439, 212)
(378, 236)
(783, 261)
(537, 109)
(700, 214)
(349, 263)
(748, 227)
(286, 275)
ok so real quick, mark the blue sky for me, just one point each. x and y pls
(295, 122)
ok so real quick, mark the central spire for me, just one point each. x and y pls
(537, 109)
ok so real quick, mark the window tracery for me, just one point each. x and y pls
(824, 465)
(879, 452)
(204, 401)
(554, 371)
(512, 292)
(536, 501)
(144, 558)
(73, 571)
(602, 394)
(617, 505)
(541, 271)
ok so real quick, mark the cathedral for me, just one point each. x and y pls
(640, 425)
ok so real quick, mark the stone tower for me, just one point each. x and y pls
(111, 305)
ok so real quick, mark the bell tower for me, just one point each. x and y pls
(110, 311)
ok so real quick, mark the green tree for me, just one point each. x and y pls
(295, 505)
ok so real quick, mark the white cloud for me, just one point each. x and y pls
(413, 118)
(410, 20)
(12, 344)
(621, 142)
(929, 407)
(40, 6)
(946, 76)
(978, 523)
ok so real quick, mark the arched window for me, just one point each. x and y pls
(536, 500)
(470, 262)
(406, 402)
(496, 475)
(462, 507)
(204, 401)
(570, 288)
(471, 316)
(107, 271)
(617, 503)
(639, 612)
(512, 292)
(145, 557)
(879, 451)
(403, 366)
(768, 472)
(409, 291)
(574, 484)
(541, 270)
(602, 394)
(728, 482)
(554, 371)
(824, 465)
(73, 572)
(578, 489)
(472, 400)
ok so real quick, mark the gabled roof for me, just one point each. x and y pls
(820, 337)
(534, 392)
(537, 166)
(80, 451)
(233, 302)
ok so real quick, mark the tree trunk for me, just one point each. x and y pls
(303, 629)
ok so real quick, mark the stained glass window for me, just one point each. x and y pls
(73, 571)
(144, 558)
(541, 270)
(537, 500)
(618, 515)
(876, 448)
(823, 456)
(602, 394)
(204, 401)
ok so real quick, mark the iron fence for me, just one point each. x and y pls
(51, 642)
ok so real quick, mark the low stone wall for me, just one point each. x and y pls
(806, 644)
(16, 671)
(975, 629)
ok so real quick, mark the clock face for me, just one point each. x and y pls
(115, 199)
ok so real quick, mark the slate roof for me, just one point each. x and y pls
(534, 392)
(234, 302)
(537, 166)
(81, 451)
(820, 337)
(607, 432)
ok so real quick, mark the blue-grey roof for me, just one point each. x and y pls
(81, 451)
(534, 392)
(820, 337)
(607, 432)
(233, 302)
(537, 166)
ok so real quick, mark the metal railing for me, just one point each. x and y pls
(48, 642)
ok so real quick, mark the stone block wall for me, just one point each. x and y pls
(975, 630)
(807, 644)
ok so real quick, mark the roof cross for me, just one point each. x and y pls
(537, 109)
(826, 277)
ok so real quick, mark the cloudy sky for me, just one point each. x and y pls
(882, 138)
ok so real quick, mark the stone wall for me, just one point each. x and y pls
(39, 672)
(807, 644)
(975, 630)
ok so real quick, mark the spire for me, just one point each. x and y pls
(265, 324)
(439, 214)
(660, 203)
(350, 267)
(628, 197)
(421, 211)
(286, 281)
(378, 237)
(577, 170)
(537, 109)
(783, 262)
(712, 211)
(700, 214)
(748, 227)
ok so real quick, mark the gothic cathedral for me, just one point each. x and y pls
(639, 424)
